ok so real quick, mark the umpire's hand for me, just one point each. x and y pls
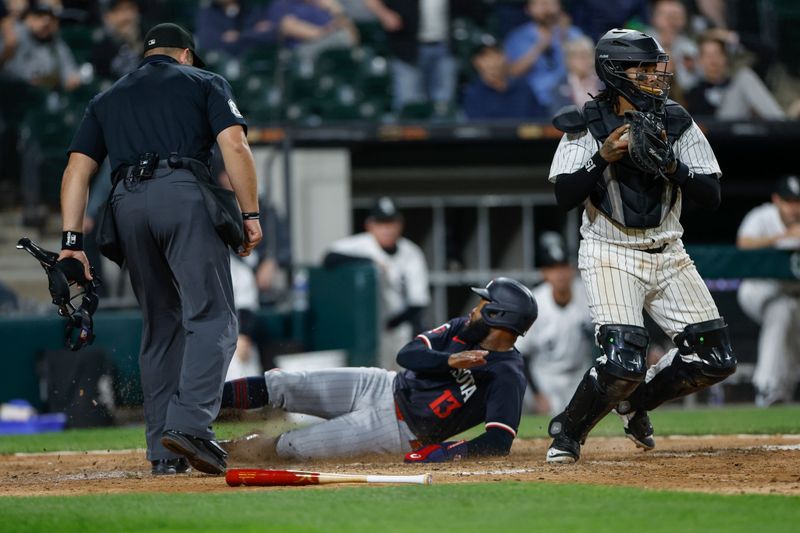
(468, 359)
(252, 236)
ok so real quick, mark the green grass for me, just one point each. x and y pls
(667, 421)
(492, 507)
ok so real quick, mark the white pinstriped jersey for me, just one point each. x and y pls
(575, 150)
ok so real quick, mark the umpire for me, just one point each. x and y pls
(165, 111)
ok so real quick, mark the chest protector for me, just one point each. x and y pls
(628, 195)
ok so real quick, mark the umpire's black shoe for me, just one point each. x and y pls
(203, 454)
(638, 429)
(563, 450)
(167, 467)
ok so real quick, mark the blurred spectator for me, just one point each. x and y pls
(581, 81)
(358, 11)
(119, 49)
(508, 16)
(311, 26)
(38, 56)
(558, 349)
(402, 270)
(418, 34)
(774, 304)
(669, 28)
(231, 27)
(493, 93)
(727, 96)
(536, 50)
(596, 17)
(713, 18)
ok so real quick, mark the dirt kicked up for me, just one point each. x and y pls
(738, 464)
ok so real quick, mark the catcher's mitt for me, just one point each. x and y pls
(647, 143)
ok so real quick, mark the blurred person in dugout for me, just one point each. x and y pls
(559, 349)
(727, 95)
(402, 270)
(774, 304)
(255, 279)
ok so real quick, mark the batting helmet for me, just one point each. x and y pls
(511, 305)
(618, 50)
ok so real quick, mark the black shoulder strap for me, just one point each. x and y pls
(569, 119)
(600, 119)
(678, 120)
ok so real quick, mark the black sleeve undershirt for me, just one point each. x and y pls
(702, 189)
(495, 441)
(572, 189)
(417, 357)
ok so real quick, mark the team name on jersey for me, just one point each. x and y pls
(466, 382)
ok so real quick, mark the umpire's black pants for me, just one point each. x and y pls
(180, 273)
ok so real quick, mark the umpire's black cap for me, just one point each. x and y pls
(385, 210)
(171, 35)
(788, 188)
(552, 250)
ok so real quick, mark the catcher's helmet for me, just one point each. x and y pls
(620, 49)
(511, 305)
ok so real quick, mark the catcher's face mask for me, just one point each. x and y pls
(61, 277)
(645, 84)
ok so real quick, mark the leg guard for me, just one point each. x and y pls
(615, 376)
(705, 358)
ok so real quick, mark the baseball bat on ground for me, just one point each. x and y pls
(267, 478)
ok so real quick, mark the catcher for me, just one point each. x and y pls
(629, 158)
(458, 375)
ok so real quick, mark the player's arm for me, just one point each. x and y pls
(417, 356)
(494, 442)
(697, 172)
(576, 168)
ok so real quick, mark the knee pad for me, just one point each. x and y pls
(625, 351)
(710, 341)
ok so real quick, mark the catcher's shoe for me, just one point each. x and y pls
(563, 450)
(638, 428)
(204, 455)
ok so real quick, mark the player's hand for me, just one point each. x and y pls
(793, 231)
(391, 21)
(252, 236)
(438, 453)
(468, 359)
(616, 145)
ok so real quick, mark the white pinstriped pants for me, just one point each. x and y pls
(621, 282)
(357, 403)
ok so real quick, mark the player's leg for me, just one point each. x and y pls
(775, 373)
(327, 393)
(372, 430)
(322, 393)
(615, 296)
(684, 309)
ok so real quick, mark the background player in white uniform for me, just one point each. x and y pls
(558, 351)
(631, 256)
(772, 303)
(405, 292)
(461, 374)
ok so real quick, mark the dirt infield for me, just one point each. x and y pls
(753, 464)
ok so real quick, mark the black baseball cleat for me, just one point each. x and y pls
(638, 429)
(167, 467)
(204, 455)
(563, 450)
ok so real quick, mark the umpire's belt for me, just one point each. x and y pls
(131, 172)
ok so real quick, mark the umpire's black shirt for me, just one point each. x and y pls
(161, 107)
